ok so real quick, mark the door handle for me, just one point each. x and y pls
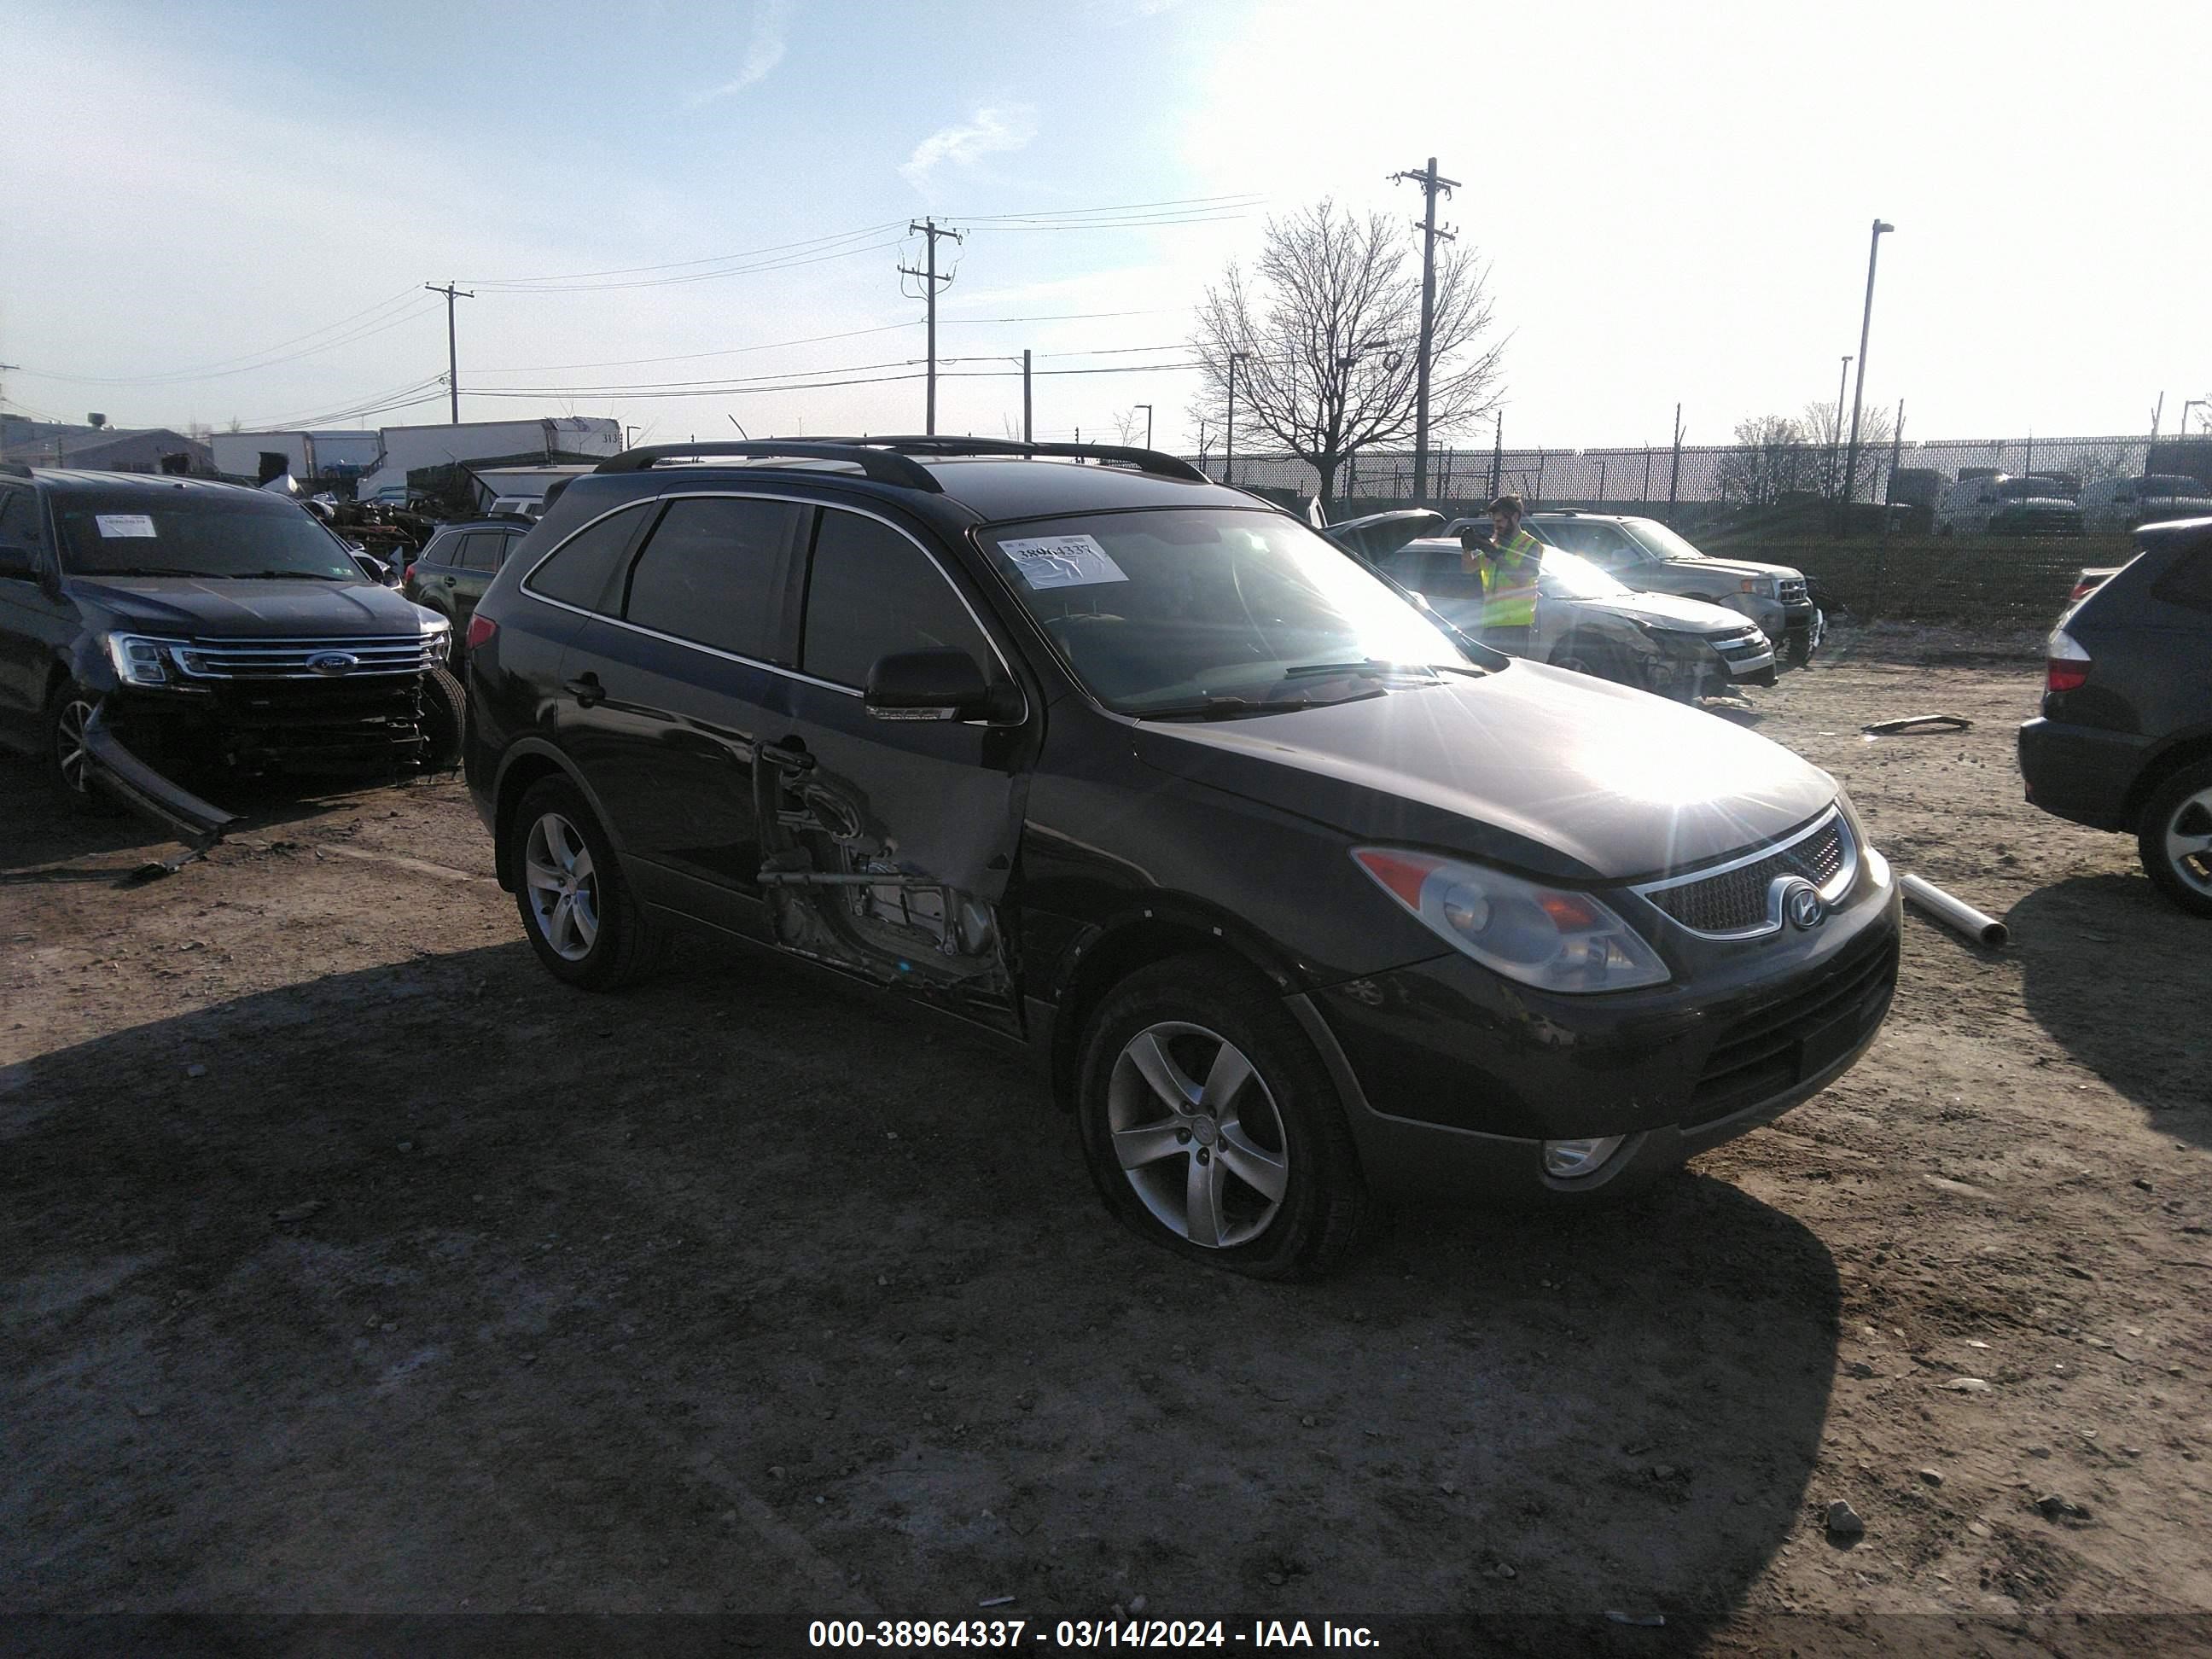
(586, 690)
(448, 581)
(791, 754)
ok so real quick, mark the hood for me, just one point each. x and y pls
(1533, 768)
(1735, 568)
(211, 606)
(1662, 610)
(1379, 535)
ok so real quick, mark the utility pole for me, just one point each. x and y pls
(1882, 555)
(1025, 396)
(1674, 479)
(931, 282)
(1836, 426)
(1147, 408)
(1229, 443)
(1430, 183)
(452, 352)
(1866, 322)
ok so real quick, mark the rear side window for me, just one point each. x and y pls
(872, 591)
(714, 573)
(481, 550)
(2189, 583)
(582, 569)
(19, 520)
(444, 550)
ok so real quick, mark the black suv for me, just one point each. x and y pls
(2125, 741)
(451, 573)
(208, 622)
(1296, 895)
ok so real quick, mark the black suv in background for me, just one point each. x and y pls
(1297, 895)
(451, 573)
(209, 623)
(2125, 741)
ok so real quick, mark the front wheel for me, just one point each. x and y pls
(2175, 838)
(1211, 1128)
(444, 707)
(1596, 658)
(69, 765)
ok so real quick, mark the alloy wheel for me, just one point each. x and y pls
(68, 745)
(2188, 839)
(1198, 1135)
(564, 892)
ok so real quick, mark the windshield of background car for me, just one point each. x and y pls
(144, 535)
(1657, 539)
(1565, 576)
(2165, 485)
(1165, 609)
(2023, 489)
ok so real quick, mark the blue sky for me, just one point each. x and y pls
(1675, 204)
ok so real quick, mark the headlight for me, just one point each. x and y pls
(1762, 586)
(139, 660)
(437, 634)
(1549, 937)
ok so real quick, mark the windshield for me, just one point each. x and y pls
(2162, 483)
(146, 535)
(1206, 611)
(1657, 539)
(2023, 489)
(1565, 576)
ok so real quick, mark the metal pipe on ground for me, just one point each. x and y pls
(1952, 913)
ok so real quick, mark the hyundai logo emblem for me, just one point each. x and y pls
(332, 662)
(1801, 904)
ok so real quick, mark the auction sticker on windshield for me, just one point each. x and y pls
(125, 524)
(1062, 562)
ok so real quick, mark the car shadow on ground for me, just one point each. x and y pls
(2141, 1031)
(439, 1283)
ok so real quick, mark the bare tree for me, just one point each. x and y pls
(1129, 423)
(1774, 457)
(1828, 424)
(1326, 335)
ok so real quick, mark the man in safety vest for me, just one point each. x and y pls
(1508, 564)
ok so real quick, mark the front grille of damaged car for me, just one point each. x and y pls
(1737, 901)
(1791, 591)
(288, 658)
(1774, 1047)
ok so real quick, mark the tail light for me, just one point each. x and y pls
(481, 628)
(2082, 589)
(2065, 663)
(409, 575)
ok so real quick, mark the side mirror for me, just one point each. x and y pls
(18, 562)
(940, 683)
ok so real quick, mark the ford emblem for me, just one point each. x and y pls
(332, 662)
(1801, 904)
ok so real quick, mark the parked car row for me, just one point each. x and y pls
(2040, 504)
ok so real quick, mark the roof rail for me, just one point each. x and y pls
(881, 464)
(15, 469)
(1153, 461)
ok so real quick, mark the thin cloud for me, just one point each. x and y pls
(993, 129)
(762, 52)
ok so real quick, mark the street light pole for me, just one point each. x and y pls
(1858, 394)
(1836, 426)
(1229, 441)
(1147, 408)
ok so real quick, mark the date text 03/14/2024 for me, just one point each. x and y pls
(1084, 1633)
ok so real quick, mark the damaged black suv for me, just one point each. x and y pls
(1297, 895)
(202, 623)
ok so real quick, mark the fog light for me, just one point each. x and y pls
(1569, 1158)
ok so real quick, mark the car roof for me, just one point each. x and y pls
(150, 487)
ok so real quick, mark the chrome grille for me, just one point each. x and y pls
(1739, 900)
(1791, 590)
(289, 659)
(1749, 643)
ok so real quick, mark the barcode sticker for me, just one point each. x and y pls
(125, 524)
(1062, 562)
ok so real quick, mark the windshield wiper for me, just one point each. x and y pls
(1234, 708)
(141, 570)
(289, 575)
(1367, 668)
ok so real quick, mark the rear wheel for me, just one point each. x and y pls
(1211, 1128)
(584, 922)
(2174, 838)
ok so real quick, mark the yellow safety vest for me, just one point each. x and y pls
(1509, 583)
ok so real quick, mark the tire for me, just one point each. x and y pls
(63, 761)
(1598, 658)
(2174, 838)
(444, 710)
(602, 938)
(1286, 1201)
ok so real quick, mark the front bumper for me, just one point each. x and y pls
(338, 725)
(1454, 1078)
(2082, 774)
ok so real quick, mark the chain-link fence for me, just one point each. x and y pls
(1937, 484)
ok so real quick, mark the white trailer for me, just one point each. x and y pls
(413, 448)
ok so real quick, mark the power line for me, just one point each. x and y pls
(682, 264)
(180, 377)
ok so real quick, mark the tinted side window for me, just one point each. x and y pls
(872, 591)
(713, 573)
(443, 549)
(2190, 582)
(480, 551)
(578, 573)
(19, 519)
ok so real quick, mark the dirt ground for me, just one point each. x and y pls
(349, 1264)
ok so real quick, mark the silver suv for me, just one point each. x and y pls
(1645, 555)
